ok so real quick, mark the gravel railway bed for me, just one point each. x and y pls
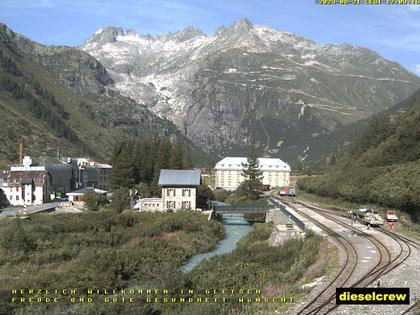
(392, 266)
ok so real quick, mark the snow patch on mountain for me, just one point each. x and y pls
(212, 86)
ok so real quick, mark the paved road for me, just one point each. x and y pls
(30, 210)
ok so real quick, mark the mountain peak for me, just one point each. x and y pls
(105, 35)
(111, 30)
(187, 33)
(220, 30)
(131, 32)
(242, 25)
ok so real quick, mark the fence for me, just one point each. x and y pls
(283, 209)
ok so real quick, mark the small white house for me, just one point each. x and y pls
(179, 189)
(77, 196)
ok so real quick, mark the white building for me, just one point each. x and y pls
(149, 204)
(179, 189)
(179, 192)
(26, 184)
(276, 173)
(77, 196)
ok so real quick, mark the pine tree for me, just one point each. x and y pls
(143, 190)
(187, 162)
(123, 170)
(251, 186)
(154, 185)
(163, 159)
(177, 155)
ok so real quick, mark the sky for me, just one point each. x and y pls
(391, 30)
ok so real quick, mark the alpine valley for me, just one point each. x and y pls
(250, 83)
(243, 84)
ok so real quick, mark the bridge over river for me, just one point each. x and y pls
(252, 213)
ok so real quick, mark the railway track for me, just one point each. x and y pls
(405, 243)
(324, 301)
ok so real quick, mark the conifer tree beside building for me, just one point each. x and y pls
(251, 186)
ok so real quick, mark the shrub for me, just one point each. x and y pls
(93, 200)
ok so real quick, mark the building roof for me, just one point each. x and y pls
(179, 177)
(102, 165)
(82, 191)
(16, 178)
(266, 164)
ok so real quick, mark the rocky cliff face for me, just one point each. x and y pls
(61, 97)
(72, 67)
(250, 83)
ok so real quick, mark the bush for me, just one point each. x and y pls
(93, 200)
(100, 250)
(120, 200)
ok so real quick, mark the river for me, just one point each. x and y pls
(235, 229)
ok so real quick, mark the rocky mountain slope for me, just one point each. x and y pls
(328, 148)
(250, 83)
(382, 167)
(61, 97)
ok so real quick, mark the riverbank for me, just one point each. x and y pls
(278, 272)
(109, 251)
(232, 234)
(98, 250)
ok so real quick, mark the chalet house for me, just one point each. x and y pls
(179, 192)
(179, 189)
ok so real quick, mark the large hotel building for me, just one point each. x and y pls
(276, 173)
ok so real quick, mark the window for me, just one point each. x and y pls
(186, 205)
(170, 204)
(186, 192)
(170, 192)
